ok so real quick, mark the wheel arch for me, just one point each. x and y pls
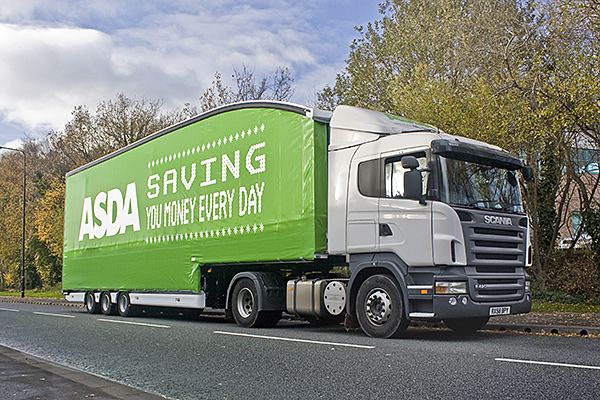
(269, 286)
(363, 268)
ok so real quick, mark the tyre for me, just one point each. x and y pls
(379, 307)
(244, 303)
(244, 307)
(106, 305)
(90, 303)
(124, 306)
(466, 325)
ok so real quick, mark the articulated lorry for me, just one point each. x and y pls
(263, 208)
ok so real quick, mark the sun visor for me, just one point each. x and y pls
(476, 154)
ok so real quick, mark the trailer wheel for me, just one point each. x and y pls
(106, 305)
(244, 307)
(90, 303)
(124, 306)
(379, 307)
(466, 325)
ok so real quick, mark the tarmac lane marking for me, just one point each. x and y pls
(133, 323)
(8, 309)
(360, 346)
(54, 315)
(553, 364)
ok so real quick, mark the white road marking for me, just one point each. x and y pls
(294, 340)
(553, 364)
(8, 309)
(54, 315)
(133, 323)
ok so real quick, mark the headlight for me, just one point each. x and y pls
(450, 287)
(527, 286)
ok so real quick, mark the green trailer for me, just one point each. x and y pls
(239, 185)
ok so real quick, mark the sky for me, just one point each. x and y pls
(58, 54)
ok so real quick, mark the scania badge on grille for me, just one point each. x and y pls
(495, 220)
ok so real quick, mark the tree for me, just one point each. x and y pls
(86, 137)
(278, 87)
(11, 207)
(520, 74)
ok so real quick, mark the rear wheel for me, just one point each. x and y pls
(466, 325)
(379, 307)
(106, 305)
(244, 307)
(124, 306)
(90, 303)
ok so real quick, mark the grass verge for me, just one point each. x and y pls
(549, 306)
(53, 294)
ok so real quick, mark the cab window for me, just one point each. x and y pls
(394, 175)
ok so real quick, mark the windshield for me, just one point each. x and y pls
(479, 186)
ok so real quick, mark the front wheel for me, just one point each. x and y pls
(466, 325)
(379, 307)
(244, 307)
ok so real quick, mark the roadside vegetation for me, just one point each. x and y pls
(51, 293)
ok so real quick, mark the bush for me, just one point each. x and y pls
(573, 278)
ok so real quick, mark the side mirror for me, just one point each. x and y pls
(528, 174)
(413, 181)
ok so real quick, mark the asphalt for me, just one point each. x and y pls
(23, 376)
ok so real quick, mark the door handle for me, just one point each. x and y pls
(385, 230)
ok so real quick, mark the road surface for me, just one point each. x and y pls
(207, 358)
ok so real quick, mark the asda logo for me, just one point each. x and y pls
(110, 213)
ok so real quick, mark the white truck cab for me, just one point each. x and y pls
(440, 214)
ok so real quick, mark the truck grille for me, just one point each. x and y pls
(495, 255)
(494, 246)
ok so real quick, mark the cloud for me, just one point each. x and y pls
(57, 54)
(40, 67)
(13, 144)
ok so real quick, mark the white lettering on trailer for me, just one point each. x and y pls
(251, 202)
(254, 164)
(208, 180)
(177, 212)
(261, 159)
(115, 218)
(234, 167)
(172, 180)
(154, 216)
(186, 183)
(211, 207)
(153, 186)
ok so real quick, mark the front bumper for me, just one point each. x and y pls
(464, 307)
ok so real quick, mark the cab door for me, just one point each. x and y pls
(404, 225)
(363, 206)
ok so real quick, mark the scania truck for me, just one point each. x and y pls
(257, 209)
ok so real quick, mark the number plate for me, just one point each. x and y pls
(499, 310)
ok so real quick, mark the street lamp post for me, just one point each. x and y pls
(23, 238)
